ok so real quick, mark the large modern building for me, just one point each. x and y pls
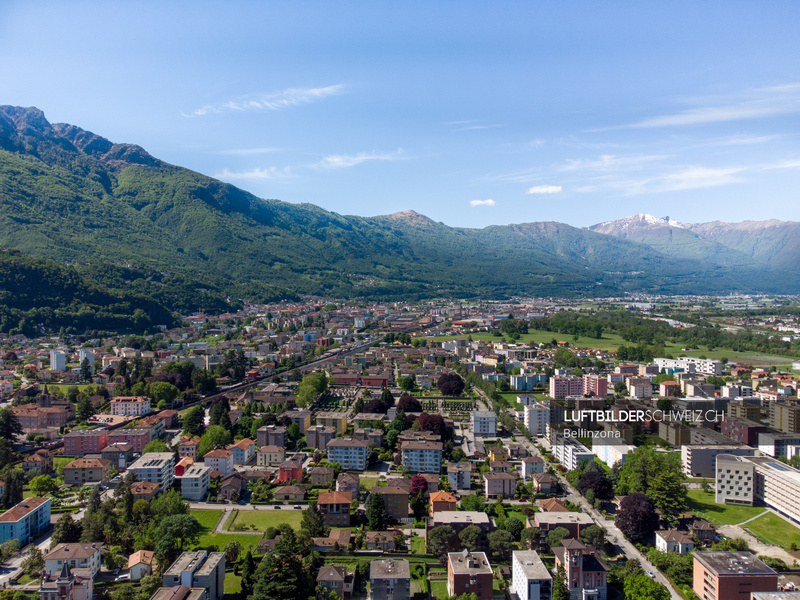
(422, 456)
(155, 467)
(195, 482)
(484, 423)
(731, 576)
(25, 521)
(389, 579)
(700, 460)
(690, 364)
(537, 417)
(469, 573)
(351, 454)
(777, 444)
(561, 387)
(530, 577)
(735, 480)
(569, 451)
(198, 570)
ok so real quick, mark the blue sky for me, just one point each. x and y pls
(472, 113)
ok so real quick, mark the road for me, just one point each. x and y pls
(613, 534)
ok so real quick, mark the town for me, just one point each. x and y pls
(638, 447)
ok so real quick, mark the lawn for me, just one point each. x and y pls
(418, 545)
(262, 519)
(209, 519)
(439, 589)
(233, 584)
(773, 530)
(702, 504)
(59, 461)
(367, 483)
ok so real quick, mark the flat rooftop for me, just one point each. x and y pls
(471, 563)
(733, 563)
(532, 566)
(389, 569)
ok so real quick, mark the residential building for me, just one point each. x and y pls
(640, 387)
(439, 501)
(140, 564)
(351, 454)
(349, 482)
(80, 442)
(58, 360)
(195, 482)
(371, 434)
(742, 431)
(144, 490)
(460, 520)
(469, 573)
(85, 471)
(458, 475)
(321, 476)
(573, 522)
(499, 485)
(270, 456)
(120, 455)
(700, 461)
(180, 592)
(68, 584)
(221, 460)
(395, 500)
(569, 451)
(182, 465)
(595, 385)
(529, 576)
(584, 574)
(536, 417)
(130, 406)
(561, 387)
(731, 576)
(612, 453)
(272, 435)
(198, 570)
(484, 423)
(735, 481)
(777, 444)
(318, 436)
(232, 486)
(290, 493)
(243, 451)
(742, 408)
(25, 521)
(77, 556)
(337, 420)
(138, 438)
(784, 417)
(531, 465)
(422, 456)
(389, 579)
(155, 467)
(690, 364)
(39, 462)
(335, 508)
(336, 579)
(188, 447)
(544, 483)
(672, 540)
(301, 417)
(290, 470)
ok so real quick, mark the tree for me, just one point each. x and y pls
(529, 538)
(312, 522)
(219, 414)
(500, 543)
(66, 531)
(84, 411)
(560, 589)
(376, 405)
(232, 551)
(514, 527)
(173, 534)
(556, 536)
(43, 485)
(642, 587)
(155, 446)
(441, 540)
(310, 388)
(248, 574)
(641, 467)
(594, 535)
(408, 404)
(376, 512)
(433, 423)
(9, 549)
(473, 503)
(637, 517)
(450, 384)
(215, 437)
(9, 424)
(407, 384)
(669, 494)
(620, 388)
(282, 574)
(161, 391)
(33, 562)
(15, 480)
(598, 483)
(470, 538)
(194, 421)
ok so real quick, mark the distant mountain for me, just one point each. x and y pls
(131, 221)
(774, 244)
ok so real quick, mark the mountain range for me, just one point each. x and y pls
(129, 221)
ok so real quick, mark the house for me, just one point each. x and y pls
(390, 579)
(120, 455)
(140, 564)
(544, 483)
(673, 541)
(530, 578)
(270, 456)
(499, 485)
(144, 490)
(83, 471)
(553, 505)
(584, 573)
(469, 573)
(335, 508)
(290, 493)
(290, 470)
(383, 540)
(349, 482)
(69, 584)
(321, 476)
(188, 447)
(243, 451)
(336, 579)
(442, 501)
(395, 500)
(731, 575)
(532, 465)
(221, 460)
(232, 486)
(501, 466)
(338, 539)
(25, 521)
(77, 556)
(40, 462)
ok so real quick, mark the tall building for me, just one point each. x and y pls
(484, 423)
(25, 521)
(731, 576)
(530, 577)
(561, 387)
(155, 467)
(198, 570)
(58, 360)
(390, 579)
(469, 573)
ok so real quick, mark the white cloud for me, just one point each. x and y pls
(339, 161)
(257, 174)
(610, 162)
(247, 151)
(488, 202)
(271, 101)
(544, 189)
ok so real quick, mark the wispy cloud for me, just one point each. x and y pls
(474, 127)
(339, 161)
(610, 162)
(257, 174)
(270, 101)
(470, 125)
(753, 104)
(248, 151)
(544, 189)
(488, 202)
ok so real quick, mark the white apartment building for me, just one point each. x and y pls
(537, 418)
(701, 460)
(570, 451)
(195, 482)
(351, 454)
(690, 364)
(612, 454)
(155, 467)
(58, 360)
(484, 423)
(130, 406)
(530, 577)
(735, 480)
(221, 460)
(422, 456)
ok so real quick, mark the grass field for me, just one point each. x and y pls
(233, 584)
(418, 545)
(702, 504)
(367, 483)
(773, 530)
(209, 519)
(439, 589)
(59, 461)
(262, 519)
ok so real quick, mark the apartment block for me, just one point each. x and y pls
(784, 417)
(561, 387)
(735, 481)
(690, 364)
(25, 521)
(130, 406)
(337, 420)
(469, 573)
(422, 456)
(351, 454)
(155, 467)
(700, 461)
(390, 579)
(85, 441)
(529, 576)
(195, 482)
(138, 438)
(484, 423)
(458, 475)
(198, 570)
(318, 436)
(731, 576)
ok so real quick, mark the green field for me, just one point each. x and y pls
(268, 517)
(233, 584)
(209, 519)
(367, 483)
(59, 461)
(702, 505)
(418, 545)
(771, 529)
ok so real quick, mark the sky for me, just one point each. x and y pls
(471, 113)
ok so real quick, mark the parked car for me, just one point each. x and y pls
(277, 508)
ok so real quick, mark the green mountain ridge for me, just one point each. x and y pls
(189, 240)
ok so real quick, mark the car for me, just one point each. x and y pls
(651, 575)
(122, 577)
(297, 507)
(277, 508)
